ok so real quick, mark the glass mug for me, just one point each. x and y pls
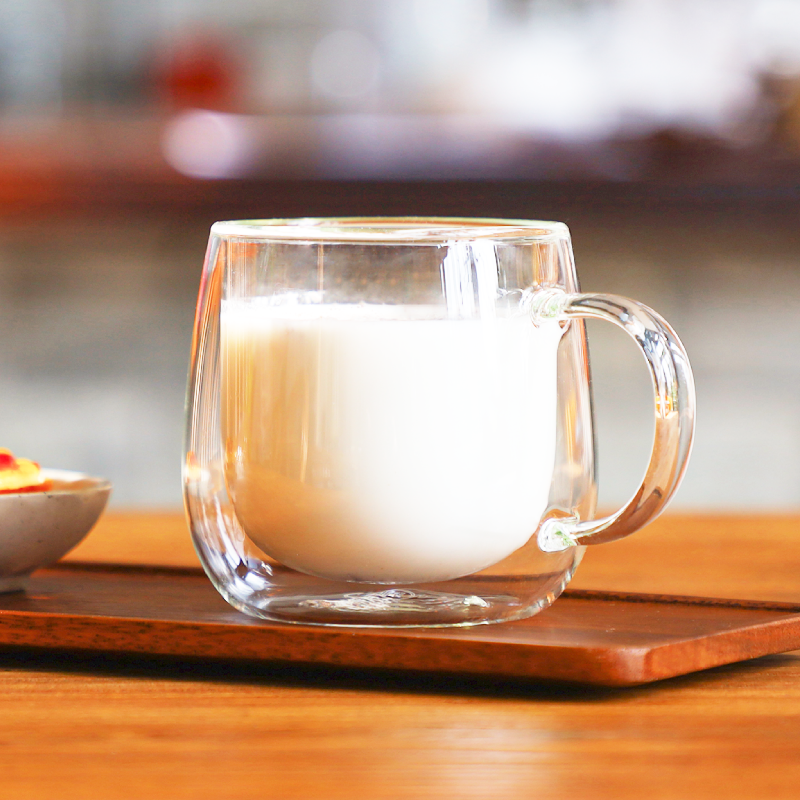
(389, 420)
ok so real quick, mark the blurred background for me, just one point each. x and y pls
(665, 133)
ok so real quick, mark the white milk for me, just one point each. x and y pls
(370, 443)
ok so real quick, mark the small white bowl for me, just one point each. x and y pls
(37, 528)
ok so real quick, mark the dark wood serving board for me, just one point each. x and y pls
(590, 637)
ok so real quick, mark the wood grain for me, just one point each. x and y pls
(158, 538)
(591, 637)
(86, 728)
(75, 727)
(716, 555)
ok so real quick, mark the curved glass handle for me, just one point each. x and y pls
(674, 410)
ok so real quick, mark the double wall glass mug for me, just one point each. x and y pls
(390, 420)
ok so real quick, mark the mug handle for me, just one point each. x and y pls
(673, 385)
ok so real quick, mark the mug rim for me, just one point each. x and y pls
(392, 230)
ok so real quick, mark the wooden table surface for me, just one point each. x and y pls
(76, 726)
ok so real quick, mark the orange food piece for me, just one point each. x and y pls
(20, 475)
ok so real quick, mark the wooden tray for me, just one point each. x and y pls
(590, 637)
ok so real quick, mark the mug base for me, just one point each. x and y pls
(291, 597)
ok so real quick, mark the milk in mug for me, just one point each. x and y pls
(382, 444)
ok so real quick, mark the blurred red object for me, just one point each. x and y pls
(198, 71)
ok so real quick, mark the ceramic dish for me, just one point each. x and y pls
(37, 528)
